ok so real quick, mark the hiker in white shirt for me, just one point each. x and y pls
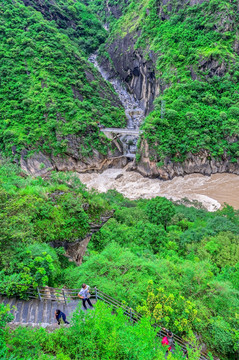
(84, 294)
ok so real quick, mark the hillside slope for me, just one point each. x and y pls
(183, 55)
(74, 19)
(176, 265)
(51, 96)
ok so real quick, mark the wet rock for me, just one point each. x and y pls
(37, 164)
(137, 73)
(119, 176)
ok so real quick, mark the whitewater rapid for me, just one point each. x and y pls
(211, 191)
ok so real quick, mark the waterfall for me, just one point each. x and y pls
(133, 111)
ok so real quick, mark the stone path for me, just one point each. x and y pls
(38, 313)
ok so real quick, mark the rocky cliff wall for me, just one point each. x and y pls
(39, 164)
(137, 73)
(200, 163)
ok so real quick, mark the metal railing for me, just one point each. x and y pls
(135, 317)
(63, 295)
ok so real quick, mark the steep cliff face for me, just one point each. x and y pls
(38, 164)
(201, 163)
(137, 73)
(184, 53)
(52, 97)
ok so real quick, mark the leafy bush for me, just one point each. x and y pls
(160, 210)
(51, 95)
(97, 335)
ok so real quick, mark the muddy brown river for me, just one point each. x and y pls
(211, 191)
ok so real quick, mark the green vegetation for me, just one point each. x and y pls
(108, 11)
(184, 277)
(49, 92)
(197, 66)
(178, 266)
(5, 317)
(175, 277)
(34, 213)
(75, 20)
(94, 335)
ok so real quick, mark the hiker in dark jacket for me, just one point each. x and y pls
(60, 317)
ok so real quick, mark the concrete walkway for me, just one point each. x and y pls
(38, 313)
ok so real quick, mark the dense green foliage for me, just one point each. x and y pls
(5, 317)
(34, 212)
(108, 11)
(49, 92)
(160, 211)
(98, 335)
(187, 264)
(184, 277)
(75, 20)
(197, 66)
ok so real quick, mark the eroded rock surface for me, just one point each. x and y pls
(200, 163)
(137, 73)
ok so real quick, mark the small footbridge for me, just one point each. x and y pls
(40, 304)
(111, 132)
(128, 138)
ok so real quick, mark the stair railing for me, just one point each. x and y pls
(66, 295)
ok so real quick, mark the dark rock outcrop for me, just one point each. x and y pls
(39, 164)
(75, 251)
(200, 163)
(137, 73)
(116, 8)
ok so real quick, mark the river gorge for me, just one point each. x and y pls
(143, 180)
(212, 191)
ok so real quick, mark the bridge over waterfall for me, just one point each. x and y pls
(128, 138)
(40, 304)
(133, 111)
(121, 131)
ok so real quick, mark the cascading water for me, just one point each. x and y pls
(210, 191)
(134, 113)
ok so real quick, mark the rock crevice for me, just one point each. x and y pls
(137, 73)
